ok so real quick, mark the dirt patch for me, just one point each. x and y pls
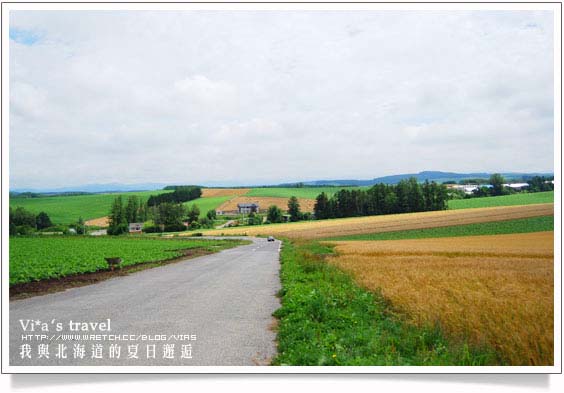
(221, 192)
(99, 222)
(36, 288)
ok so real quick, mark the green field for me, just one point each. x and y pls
(305, 192)
(67, 209)
(524, 225)
(206, 204)
(36, 258)
(504, 200)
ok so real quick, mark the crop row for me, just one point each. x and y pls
(37, 258)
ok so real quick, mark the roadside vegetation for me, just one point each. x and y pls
(327, 319)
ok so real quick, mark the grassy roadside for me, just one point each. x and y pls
(326, 319)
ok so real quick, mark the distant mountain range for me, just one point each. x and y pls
(436, 176)
(95, 188)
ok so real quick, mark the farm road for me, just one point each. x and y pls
(225, 299)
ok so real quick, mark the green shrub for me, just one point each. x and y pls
(118, 229)
(175, 228)
(24, 230)
(152, 229)
(56, 228)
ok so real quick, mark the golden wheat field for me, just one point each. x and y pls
(306, 205)
(221, 192)
(494, 290)
(387, 223)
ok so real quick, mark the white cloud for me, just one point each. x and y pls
(275, 96)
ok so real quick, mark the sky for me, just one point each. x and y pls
(263, 97)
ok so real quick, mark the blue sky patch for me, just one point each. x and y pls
(25, 37)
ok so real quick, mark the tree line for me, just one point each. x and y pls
(24, 222)
(405, 197)
(179, 195)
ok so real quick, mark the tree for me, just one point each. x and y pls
(540, 183)
(274, 214)
(117, 218)
(43, 221)
(20, 217)
(132, 209)
(211, 214)
(143, 211)
(321, 207)
(294, 209)
(180, 194)
(169, 214)
(80, 227)
(193, 213)
(496, 180)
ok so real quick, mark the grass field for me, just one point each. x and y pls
(304, 192)
(495, 291)
(327, 319)
(389, 223)
(524, 225)
(36, 258)
(504, 200)
(67, 209)
(209, 203)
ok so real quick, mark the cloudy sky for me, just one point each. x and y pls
(267, 97)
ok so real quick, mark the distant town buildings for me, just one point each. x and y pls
(470, 188)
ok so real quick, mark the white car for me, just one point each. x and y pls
(270, 239)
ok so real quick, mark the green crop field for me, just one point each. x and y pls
(67, 209)
(36, 258)
(524, 225)
(504, 200)
(287, 192)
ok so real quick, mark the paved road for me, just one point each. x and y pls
(224, 299)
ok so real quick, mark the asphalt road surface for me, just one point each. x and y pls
(214, 310)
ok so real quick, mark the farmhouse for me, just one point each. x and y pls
(246, 208)
(135, 227)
